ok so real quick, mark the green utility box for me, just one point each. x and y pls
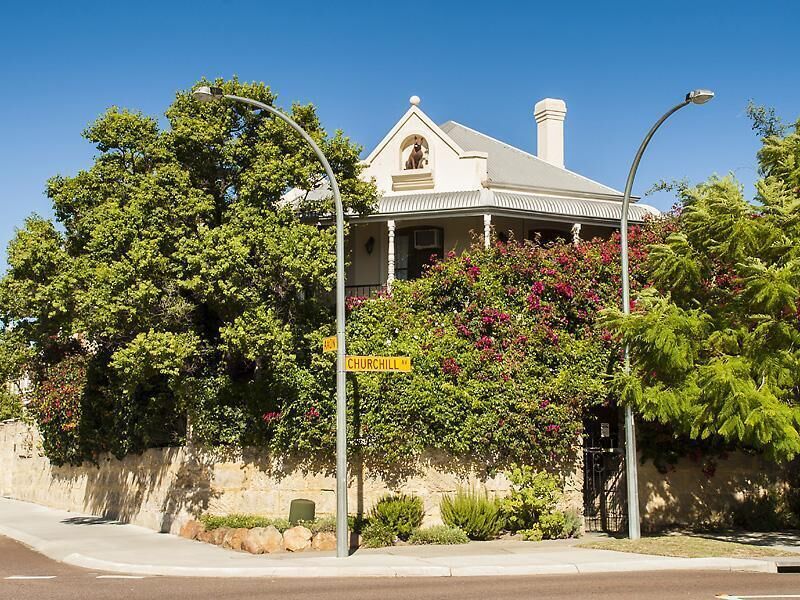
(301, 510)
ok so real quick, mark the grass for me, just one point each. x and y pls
(685, 546)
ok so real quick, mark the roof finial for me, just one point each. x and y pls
(414, 100)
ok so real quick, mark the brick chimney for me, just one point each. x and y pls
(549, 114)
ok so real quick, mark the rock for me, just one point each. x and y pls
(297, 539)
(261, 540)
(218, 535)
(324, 540)
(234, 538)
(206, 536)
(192, 529)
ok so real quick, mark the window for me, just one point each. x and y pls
(414, 153)
(414, 247)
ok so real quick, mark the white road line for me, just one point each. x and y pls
(729, 597)
(120, 577)
(31, 577)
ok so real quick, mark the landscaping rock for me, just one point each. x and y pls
(192, 529)
(297, 539)
(234, 538)
(218, 535)
(206, 536)
(324, 540)
(261, 540)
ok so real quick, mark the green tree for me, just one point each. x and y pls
(175, 281)
(14, 356)
(716, 340)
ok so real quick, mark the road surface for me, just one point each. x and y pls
(27, 575)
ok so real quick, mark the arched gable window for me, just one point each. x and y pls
(414, 153)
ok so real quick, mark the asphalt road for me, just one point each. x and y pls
(65, 582)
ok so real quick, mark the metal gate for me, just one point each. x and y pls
(604, 489)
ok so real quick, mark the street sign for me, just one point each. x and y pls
(330, 344)
(400, 364)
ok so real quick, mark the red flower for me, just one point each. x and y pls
(484, 343)
(270, 417)
(450, 367)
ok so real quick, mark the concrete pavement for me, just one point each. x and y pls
(99, 544)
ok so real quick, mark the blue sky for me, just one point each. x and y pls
(618, 65)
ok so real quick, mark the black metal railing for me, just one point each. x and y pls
(363, 291)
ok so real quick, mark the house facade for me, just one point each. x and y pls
(442, 186)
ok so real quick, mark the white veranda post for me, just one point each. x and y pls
(390, 275)
(487, 231)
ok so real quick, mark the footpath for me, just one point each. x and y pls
(105, 545)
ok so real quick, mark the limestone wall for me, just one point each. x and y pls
(686, 495)
(162, 488)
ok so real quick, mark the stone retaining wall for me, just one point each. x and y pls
(686, 495)
(163, 488)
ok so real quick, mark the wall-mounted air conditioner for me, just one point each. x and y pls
(427, 238)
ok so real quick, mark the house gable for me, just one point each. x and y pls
(417, 155)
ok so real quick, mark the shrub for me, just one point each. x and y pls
(357, 523)
(377, 535)
(321, 524)
(400, 512)
(573, 524)
(10, 406)
(766, 512)
(475, 514)
(552, 525)
(508, 357)
(236, 521)
(439, 534)
(533, 495)
(534, 534)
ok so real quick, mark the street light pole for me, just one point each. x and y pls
(206, 94)
(631, 475)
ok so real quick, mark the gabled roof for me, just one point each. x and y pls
(513, 168)
(412, 112)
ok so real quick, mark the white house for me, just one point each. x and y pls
(441, 185)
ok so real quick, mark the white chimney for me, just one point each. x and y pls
(549, 114)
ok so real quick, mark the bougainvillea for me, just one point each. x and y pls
(57, 407)
(507, 355)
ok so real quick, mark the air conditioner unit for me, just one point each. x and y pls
(427, 238)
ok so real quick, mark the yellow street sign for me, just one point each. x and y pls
(400, 364)
(330, 344)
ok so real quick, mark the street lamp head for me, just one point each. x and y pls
(207, 93)
(699, 96)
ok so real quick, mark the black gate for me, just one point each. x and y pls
(604, 489)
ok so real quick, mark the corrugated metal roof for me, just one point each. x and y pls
(511, 166)
(580, 208)
(573, 207)
(425, 202)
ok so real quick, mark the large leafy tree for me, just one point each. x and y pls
(174, 280)
(716, 340)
